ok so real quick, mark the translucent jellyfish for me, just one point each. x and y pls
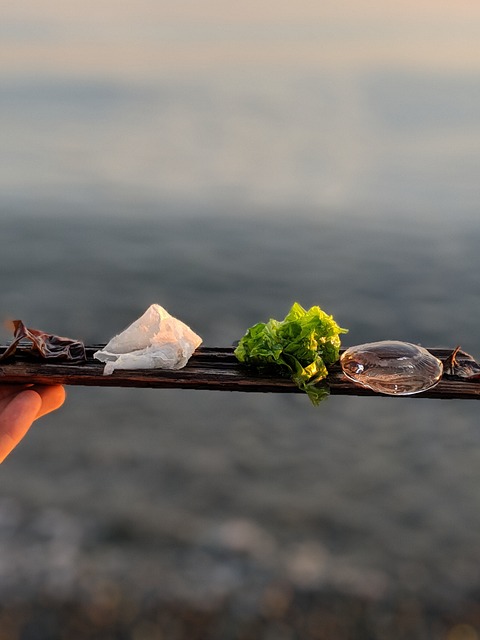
(392, 367)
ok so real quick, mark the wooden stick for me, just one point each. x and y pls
(215, 369)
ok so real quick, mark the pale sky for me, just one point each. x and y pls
(172, 36)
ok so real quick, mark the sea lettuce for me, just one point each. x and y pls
(301, 346)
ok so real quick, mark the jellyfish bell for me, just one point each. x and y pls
(392, 367)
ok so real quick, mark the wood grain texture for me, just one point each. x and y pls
(210, 368)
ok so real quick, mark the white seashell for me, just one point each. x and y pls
(156, 340)
(392, 367)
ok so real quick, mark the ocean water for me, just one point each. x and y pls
(381, 142)
(225, 198)
(199, 494)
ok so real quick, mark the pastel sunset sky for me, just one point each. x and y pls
(148, 37)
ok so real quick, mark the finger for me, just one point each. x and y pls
(17, 419)
(8, 391)
(53, 396)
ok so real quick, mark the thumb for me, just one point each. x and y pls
(16, 419)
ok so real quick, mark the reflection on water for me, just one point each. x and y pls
(383, 143)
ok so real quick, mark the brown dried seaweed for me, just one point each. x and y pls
(461, 365)
(44, 345)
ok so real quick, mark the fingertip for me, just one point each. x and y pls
(17, 419)
(52, 397)
(28, 401)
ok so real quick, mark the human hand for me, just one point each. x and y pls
(20, 406)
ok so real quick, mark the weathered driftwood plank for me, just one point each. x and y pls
(209, 368)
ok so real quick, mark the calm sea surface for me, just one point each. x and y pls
(200, 493)
(225, 200)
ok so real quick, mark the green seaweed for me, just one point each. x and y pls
(303, 345)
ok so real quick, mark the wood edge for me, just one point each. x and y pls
(210, 368)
